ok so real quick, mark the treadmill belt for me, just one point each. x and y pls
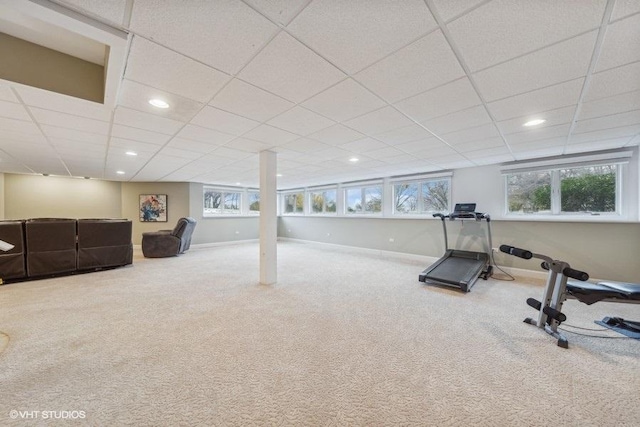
(455, 270)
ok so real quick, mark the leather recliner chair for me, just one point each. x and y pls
(167, 243)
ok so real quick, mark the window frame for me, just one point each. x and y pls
(283, 202)
(323, 191)
(223, 194)
(363, 187)
(555, 210)
(419, 182)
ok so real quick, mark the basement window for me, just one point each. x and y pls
(571, 188)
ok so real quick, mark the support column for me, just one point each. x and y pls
(268, 218)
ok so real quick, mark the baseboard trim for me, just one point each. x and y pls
(520, 273)
(227, 243)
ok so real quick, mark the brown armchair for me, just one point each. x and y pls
(166, 243)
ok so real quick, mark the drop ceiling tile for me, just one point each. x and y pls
(229, 153)
(481, 144)
(419, 146)
(119, 153)
(53, 118)
(136, 96)
(379, 121)
(18, 137)
(453, 161)
(344, 101)
(605, 144)
(471, 117)
(436, 151)
(493, 159)
(306, 145)
(138, 119)
(142, 148)
(72, 134)
(485, 152)
(624, 8)
(476, 133)
(523, 28)
(336, 134)
(209, 136)
(614, 82)
(214, 118)
(300, 121)
(546, 99)
(448, 9)
(559, 132)
(112, 10)
(355, 34)
(621, 44)
(363, 145)
(248, 145)
(10, 166)
(6, 94)
(165, 21)
(409, 133)
(610, 105)
(270, 135)
(177, 152)
(65, 145)
(608, 122)
(396, 159)
(191, 145)
(423, 65)
(386, 153)
(159, 67)
(544, 148)
(11, 110)
(281, 11)
(291, 70)
(331, 153)
(136, 134)
(18, 126)
(454, 96)
(597, 135)
(249, 101)
(553, 117)
(555, 64)
(35, 97)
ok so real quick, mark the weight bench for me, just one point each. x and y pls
(558, 288)
(607, 291)
(589, 292)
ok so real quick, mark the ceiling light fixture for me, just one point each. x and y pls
(131, 153)
(354, 159)
(120, 172)
(278, 175)
(534, 122)
(159, 103)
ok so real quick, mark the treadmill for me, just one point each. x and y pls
(459, 268)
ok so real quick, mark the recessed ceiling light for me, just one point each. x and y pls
(131, 153)
(120, 172)
(278, 174)
(238, 183)
(158, 103)
(354, 159)
(534, 122)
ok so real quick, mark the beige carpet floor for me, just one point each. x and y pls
(343, 339)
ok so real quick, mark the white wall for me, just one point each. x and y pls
(606, 248)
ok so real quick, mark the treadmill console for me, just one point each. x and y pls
(465, 210)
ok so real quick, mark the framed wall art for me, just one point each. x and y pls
(153, 207)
